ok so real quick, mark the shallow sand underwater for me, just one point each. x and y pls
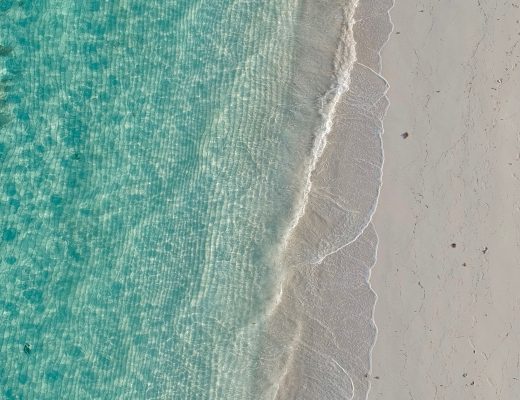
(187, 189)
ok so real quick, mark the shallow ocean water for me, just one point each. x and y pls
(186, 190)
(146, 152)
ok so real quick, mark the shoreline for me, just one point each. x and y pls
(332, 247)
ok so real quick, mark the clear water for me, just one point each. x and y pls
(144, 173)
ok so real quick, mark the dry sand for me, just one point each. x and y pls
(448, 315)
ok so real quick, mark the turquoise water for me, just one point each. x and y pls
(144, 185)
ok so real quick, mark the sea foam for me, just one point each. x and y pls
(165, 166)
(320, 324)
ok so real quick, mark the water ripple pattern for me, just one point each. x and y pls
(145, 173)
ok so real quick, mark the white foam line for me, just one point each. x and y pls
(344, 69)
(376, 202)
(328, 112)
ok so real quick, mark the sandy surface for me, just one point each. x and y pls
(319, 326)
(448, 274)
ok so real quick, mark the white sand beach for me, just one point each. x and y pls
(447, 274)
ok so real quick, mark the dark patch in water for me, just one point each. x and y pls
(23, 378)
(4, 119)
(5, 50)
(10, 189)
(35, 296)
(9, 234)
(75, 352)
(10, 260)
(5, 5)
(10, 308)
(52, 375)
(56, 200)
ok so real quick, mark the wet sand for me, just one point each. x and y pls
(447, 273)
(320, 328)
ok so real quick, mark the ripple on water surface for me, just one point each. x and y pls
(143, 176)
